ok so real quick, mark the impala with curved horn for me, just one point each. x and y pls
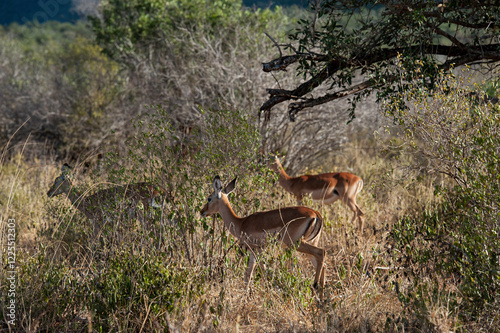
(326, 188)
(104, 202)
(292, 225)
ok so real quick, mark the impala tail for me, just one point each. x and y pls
(360, 186)
(314, 229)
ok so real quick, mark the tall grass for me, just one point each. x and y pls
(185, 273)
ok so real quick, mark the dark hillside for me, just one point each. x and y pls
(22, 11)
(272, 3)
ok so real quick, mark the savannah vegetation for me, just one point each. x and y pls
(168, 92)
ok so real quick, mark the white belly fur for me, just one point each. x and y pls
(324, 197)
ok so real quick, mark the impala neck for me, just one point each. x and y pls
(284, 179)
(231, 220)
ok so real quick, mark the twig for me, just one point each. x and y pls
(275, 43)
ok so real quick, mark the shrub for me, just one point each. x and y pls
(129, 283)
(131, 30)
(90, 83)
(453, 131)
(227, 144)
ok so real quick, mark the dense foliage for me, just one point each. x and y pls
(453, 130)
(142, 28)
(57, 80)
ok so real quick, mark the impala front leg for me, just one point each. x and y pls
(250, 269)
(299, 198)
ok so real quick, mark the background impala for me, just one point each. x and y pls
(326, 188)
(106, 203)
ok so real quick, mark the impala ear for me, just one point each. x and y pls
(275, 164)
(65, 170)
(217, 186)
(230, 187)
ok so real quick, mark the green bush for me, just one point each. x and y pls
(47, 293)
(454, 131)
(55, 76)
(227, 144)
(90, 85)
(56, 294)
(131, 28)
(134, 283)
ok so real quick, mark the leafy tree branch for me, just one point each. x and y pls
(352, 39)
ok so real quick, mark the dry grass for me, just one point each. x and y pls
(359, 296)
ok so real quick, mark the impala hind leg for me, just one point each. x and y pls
(358, 214)
(317, 257)
(323, 269)
(361, 218)
(250, 269)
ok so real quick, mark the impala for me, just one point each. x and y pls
(326, 188)
(100, 205)
(293, 225)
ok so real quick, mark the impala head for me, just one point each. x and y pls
(276, 164)
(216, 198)
(62, 184)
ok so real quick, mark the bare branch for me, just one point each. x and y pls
(298, 106)
(275, 43)
(443, 33)
(313, 24)
(445, 20)
(283, 62)
(458, 56)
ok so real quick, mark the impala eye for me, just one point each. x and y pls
(209, 199)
